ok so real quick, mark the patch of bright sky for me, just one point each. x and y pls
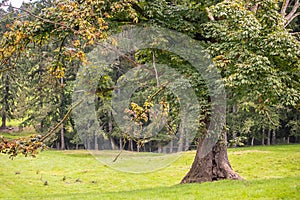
(17, 3)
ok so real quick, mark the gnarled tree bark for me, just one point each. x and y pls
(212, 167)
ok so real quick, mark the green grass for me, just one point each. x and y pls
(13, 122)
(18, 134)
(270, 173)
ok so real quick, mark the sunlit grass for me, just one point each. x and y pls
(13, 122)
(270, 173)
(13, 134)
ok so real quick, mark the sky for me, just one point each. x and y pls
(17, 3)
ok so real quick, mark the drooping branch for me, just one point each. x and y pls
(29, 145)
(61, 122)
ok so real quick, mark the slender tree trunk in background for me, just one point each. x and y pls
(121, 144)
(41, 98)
(76, 147)
(186, 145)
(3, 125)
(213, 166)
(181, 138)
(5, 102)
(252, 141)
(130, 145)
(110, 129)
(159, 148)
(234, 137)
(263, 137)
(288, 140)
(234, 132)
(171, 146)
(269, 137)
(96, 142)
(62, 138)
(150, 146)
(62, 133)
(88, 143)
(274, 137)
(112, 143)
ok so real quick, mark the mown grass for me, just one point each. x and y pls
(18, 134)
(15, 132)
(13, 122)
(270, 173)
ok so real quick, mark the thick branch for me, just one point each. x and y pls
(284, 7)
(292, 18)
(293, 13)
(209, 15)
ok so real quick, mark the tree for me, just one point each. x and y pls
(247, 39)
(249, 45)
(9, 84)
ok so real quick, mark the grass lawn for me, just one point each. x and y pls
(270, 173)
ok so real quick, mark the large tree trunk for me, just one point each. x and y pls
(213, 166)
